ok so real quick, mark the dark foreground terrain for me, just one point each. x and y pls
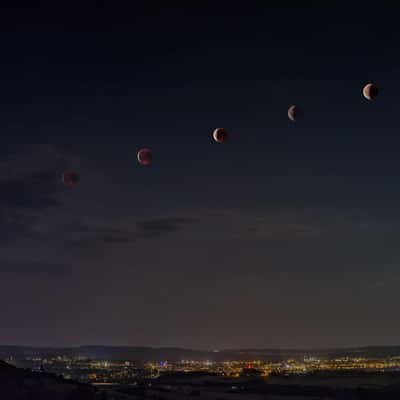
(182, 386)
(21, 384)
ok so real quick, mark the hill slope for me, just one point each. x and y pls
(20, 384)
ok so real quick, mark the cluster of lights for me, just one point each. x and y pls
(105, 371)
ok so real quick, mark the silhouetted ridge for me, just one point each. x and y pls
(22, 384)
(114, 353)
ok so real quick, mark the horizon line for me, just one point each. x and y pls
(210, 350)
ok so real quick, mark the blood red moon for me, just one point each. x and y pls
(70, 178)
(145, 156)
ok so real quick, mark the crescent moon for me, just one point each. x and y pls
(370, 91)
(294, 113)
(291, 113)
(220, 135)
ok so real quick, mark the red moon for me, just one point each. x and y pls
(370, 91)
(220, 135)
(144, 156)
(70, 178)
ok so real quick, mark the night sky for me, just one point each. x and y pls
(286, 236)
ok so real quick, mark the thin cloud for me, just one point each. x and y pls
(161, 226)
(143, 230)
(29, 186)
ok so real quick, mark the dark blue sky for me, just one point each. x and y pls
(285, 236)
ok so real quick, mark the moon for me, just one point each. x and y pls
(70, 178)
(370, 91)
(295, 113)
(144, 156)
(220, 135)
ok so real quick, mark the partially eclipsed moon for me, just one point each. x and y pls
(144, 156)
(70, 178)
(370, 91)
(220, 135)
(294, 113)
